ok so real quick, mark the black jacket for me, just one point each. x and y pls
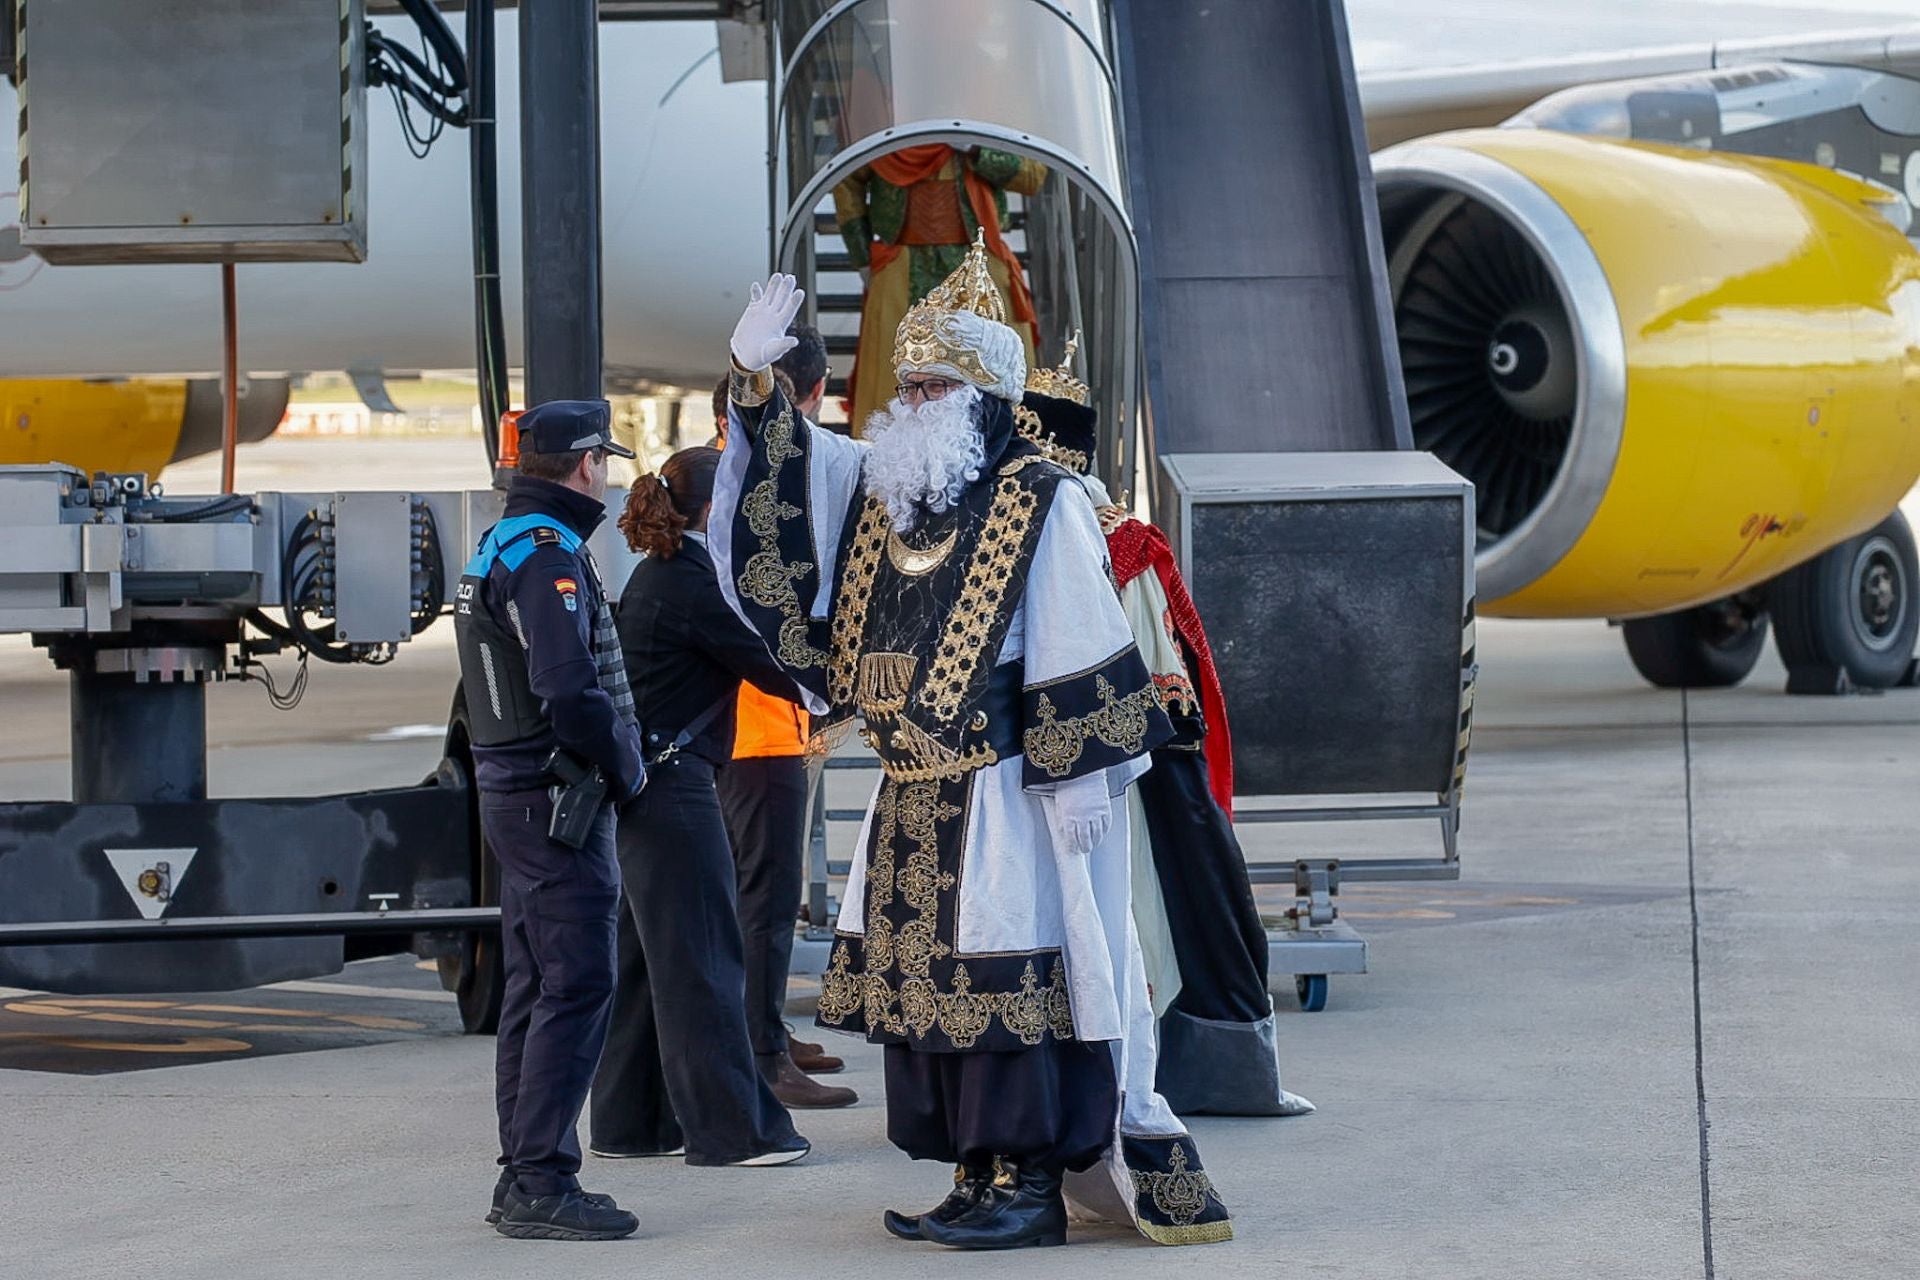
(550, 600)
(686, 650)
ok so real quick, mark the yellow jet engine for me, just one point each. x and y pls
(127, 425)
(1685, 385)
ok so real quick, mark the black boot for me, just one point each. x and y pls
(1020, 1209)
(968, 1183)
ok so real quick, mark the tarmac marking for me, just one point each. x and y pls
(350, 989)
(89, 1002)
(192, 1044)
(254, 1010)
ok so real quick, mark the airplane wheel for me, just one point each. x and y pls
(1713, 646)
(476, 976)
(1852, 608)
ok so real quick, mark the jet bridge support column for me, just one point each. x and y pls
(560, 198)
(1266, 317)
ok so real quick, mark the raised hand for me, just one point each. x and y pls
(761, 336)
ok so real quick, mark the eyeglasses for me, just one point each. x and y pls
(931, 389)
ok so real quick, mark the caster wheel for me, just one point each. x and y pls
(1312, 990)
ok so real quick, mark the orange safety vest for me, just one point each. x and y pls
(768, 726)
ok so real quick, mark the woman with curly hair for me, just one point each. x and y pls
(678, 1071)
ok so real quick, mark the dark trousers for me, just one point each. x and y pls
(1055, 1106)
(557, 913)
(764, 800)
(1218, 939)
(678, 1067)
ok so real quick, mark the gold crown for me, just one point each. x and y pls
(970, 287)
(923, 340)
(1060, 382)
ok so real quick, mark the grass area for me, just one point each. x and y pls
(413, 395)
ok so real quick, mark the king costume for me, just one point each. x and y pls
(1193, 906)
(986, 939)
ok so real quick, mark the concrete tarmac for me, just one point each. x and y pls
(1663, 1027)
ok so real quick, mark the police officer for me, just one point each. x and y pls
(547, 694)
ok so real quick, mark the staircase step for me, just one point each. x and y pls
(842, 344)
(838, 302)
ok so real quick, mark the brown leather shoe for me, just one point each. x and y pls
(798, 1090)
(812, 1058)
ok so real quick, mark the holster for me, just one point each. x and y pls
(576, 803)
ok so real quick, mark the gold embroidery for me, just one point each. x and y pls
(931, 759)
(1055, 745)
(1027, 424)
(1181, 1195)
(915, 562)
(1020, 463)
(841, 992)
(921, 880)
(1025, 1011)
(906, 954)
(883, 682)
(856, 590)
(767, 579)
(1112, 518)
(989, 574)
(964, 1016)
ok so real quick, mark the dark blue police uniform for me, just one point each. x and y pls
(542, 669)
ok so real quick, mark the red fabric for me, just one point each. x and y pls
(909, 165)
(1135, 547)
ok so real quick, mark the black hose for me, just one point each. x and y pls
(230, 504)
(437, 33)
(490, 335)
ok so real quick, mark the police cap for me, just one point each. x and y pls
(570, 426)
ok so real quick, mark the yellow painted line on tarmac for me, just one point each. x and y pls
(191, 1044)
(94, 1002)
(132, 1019)
(306, 987)
(255, 1010)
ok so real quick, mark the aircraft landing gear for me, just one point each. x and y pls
(1847, 618)
(1713, 646)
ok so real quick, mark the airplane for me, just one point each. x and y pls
(1666, 317)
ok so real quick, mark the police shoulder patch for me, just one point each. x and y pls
(546, 537)
(569, 592)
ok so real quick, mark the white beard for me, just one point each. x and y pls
(924, 458)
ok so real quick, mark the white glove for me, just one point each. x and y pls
(761, 336)
(1081, 813)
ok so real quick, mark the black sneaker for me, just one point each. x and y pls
(500, 1198)
(570, 1215)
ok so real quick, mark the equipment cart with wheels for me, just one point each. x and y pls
(1337, 591)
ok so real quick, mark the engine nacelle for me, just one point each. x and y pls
(1671, 374)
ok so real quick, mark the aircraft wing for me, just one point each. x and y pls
(1409, 104)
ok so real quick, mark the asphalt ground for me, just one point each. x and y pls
(1664, 1026)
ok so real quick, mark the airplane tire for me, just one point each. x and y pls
(477, 976)
(1713, 646)
(1853, 608)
